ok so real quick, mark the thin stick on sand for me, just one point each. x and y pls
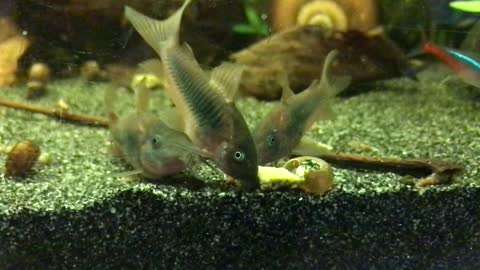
(430, 172)
(58, 114)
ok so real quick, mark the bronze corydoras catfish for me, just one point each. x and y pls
(283, 128)
(154, 149)
(204, 101)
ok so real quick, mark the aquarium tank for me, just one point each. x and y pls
(239, 134)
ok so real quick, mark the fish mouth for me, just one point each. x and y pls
(251, 183)
(165, 168)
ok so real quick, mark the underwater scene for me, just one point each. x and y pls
(249, 134)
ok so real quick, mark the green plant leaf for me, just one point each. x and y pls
(252, 17)
(466, 6)
(245, 29)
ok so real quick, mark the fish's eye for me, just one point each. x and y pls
(271, 139)
(155, 140)
(239, 156)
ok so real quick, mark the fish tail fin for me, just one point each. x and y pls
(109, 99)
(157, 32)
(328, 87)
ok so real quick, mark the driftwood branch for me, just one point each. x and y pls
(431, 172)
(58, 114)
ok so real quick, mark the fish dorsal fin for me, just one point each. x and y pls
(472, 42)
(172, 119)
(287, 92)
(142, 98)
(109, 98)
(335, 84)
(226, 79)
(327, 89)
(188, 50)
(157, 32)
(155, 67)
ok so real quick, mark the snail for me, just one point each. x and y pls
(38, 75)
(91, 71)
(339, 15)
(21, 159)
(39, 72)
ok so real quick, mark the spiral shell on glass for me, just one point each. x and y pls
(338, 15)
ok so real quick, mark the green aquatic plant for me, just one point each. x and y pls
(466, 6)
(256, 24)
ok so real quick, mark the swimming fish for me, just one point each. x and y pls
(467, 68)
(283, 128)
(153, 148)
(204, 100)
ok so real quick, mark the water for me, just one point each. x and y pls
(72, 208)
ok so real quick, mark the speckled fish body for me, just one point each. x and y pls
(210, 119)
(467, 68)
(281, 130)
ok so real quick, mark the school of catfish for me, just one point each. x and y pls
(209, 125)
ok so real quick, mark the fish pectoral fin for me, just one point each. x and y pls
(287, 92)
(310, 147)
(226, 79)
(155, 67)
(189, 147)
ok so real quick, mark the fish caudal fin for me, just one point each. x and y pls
(157, 32)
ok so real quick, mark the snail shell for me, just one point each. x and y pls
(317, 174)
(91, 71)
(21, 159)
(338, 15)
(39, 72)
(328, 14)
